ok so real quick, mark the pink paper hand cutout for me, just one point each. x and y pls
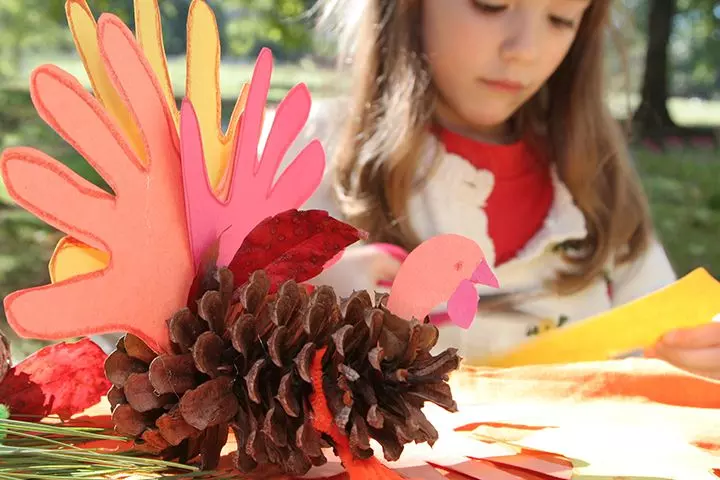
(441, 269)
(252, 195)
(142, 226)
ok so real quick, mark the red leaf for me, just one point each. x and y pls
(293, 245)
(62, 379)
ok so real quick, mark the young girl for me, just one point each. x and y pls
(486, 118)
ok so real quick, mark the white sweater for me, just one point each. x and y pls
(452, 202)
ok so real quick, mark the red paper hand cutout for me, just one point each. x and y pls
(142, 226)
(253, 195)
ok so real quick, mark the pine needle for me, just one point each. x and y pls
(38, 451)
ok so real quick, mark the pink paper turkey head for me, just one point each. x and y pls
(442, 269)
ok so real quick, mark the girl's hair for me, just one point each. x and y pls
(379, 150)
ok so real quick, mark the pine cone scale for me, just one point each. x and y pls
(141, 395)
(211, 310)
(210, 404)
(119, 366)
(252, 380)
(173, 374)
(286, 396)
(174, 428)
(214, 440)
(207, 353)
(128, 421)
(276, 346)
(116, 396)
(273, 427)
(185, 328)
(304, 361)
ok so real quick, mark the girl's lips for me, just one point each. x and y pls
(503, 85)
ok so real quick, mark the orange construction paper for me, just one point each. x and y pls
(202, 88)
(636, 418)
(142, 227)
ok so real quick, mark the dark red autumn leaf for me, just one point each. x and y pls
(62, 379)
(293, 245)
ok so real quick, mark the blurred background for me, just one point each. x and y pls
(663, 77)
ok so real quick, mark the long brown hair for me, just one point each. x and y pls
(379, 149)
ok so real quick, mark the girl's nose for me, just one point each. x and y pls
(523, 37)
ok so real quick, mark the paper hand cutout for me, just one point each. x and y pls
(252, 196)
(142, 226)
(72, 257)
(443, 268)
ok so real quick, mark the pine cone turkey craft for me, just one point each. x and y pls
(244, 360)
(288, 370)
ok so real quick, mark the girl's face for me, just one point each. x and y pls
(488, 57)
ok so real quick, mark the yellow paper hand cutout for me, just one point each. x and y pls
(203, 90)
(72, 258)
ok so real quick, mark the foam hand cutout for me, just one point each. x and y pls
(142, 227)
(443, 268)
(72, 257)
(253, 195)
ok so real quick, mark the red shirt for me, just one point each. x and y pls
(522, 195)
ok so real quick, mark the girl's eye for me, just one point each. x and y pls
(488, 8)
(561, 22)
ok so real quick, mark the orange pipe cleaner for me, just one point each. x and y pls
(357, 469)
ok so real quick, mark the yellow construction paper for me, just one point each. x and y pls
(149, 35)
(72, 258)
(203, 89)
(84, 31)
(691, 301)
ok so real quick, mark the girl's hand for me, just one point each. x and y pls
(365, 267)
(696, 350)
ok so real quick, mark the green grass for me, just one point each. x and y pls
(684, 192)
(323, 82)
(685, 111)
(320, 81)
(25, 248)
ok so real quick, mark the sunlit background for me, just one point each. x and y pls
(673, 126)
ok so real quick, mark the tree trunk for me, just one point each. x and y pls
(4, 357)
(652, 115)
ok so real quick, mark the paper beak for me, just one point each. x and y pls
(483, 275)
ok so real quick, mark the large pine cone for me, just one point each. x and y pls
(243, 361)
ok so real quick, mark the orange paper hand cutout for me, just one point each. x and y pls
(142, 226)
